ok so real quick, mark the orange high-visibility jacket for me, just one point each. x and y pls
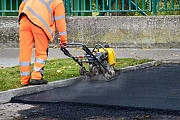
(42, 14)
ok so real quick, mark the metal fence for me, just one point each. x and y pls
(168, 5)
(10, 5)
(105, 6)
(87, 7)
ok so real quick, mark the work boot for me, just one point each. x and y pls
(24, 85)
(38, 82)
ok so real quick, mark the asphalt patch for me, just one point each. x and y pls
(151, 93)
(77, 111)
(156, 87)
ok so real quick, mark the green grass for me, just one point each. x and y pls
(120, 63)
(58, 69)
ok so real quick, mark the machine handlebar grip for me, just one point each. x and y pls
(73, 44)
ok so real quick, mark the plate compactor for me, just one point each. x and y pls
(101, 61)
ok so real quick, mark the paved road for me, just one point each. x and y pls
(9, 56)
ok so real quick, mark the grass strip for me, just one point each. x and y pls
(57, 69)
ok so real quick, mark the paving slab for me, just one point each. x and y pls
(9, 111)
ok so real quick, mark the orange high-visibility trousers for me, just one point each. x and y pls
(28, 32)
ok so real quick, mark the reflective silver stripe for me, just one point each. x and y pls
(50, 2)
(25, 73)
(62, 33)
(39, 17)
(40, 61)
(24, 63)
(38, 69)
(43, 2)
(50, 10)
(42, 72)
(60, 17)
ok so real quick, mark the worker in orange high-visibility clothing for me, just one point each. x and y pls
(38, 21)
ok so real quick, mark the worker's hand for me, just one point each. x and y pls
(62, 45)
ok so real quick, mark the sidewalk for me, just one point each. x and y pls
(9, 56)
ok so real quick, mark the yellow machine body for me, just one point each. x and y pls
(111, 55)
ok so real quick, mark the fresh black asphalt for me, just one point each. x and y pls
(152, 92)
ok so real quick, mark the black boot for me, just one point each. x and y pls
(38, 82)
(24, 85)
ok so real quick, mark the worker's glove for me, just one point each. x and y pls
(63, 45)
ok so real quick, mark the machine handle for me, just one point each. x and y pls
(73, 44)
(66, 52)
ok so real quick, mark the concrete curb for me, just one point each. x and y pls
(5, 96)
(141, 66)
(148, 64)
(171, 62)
